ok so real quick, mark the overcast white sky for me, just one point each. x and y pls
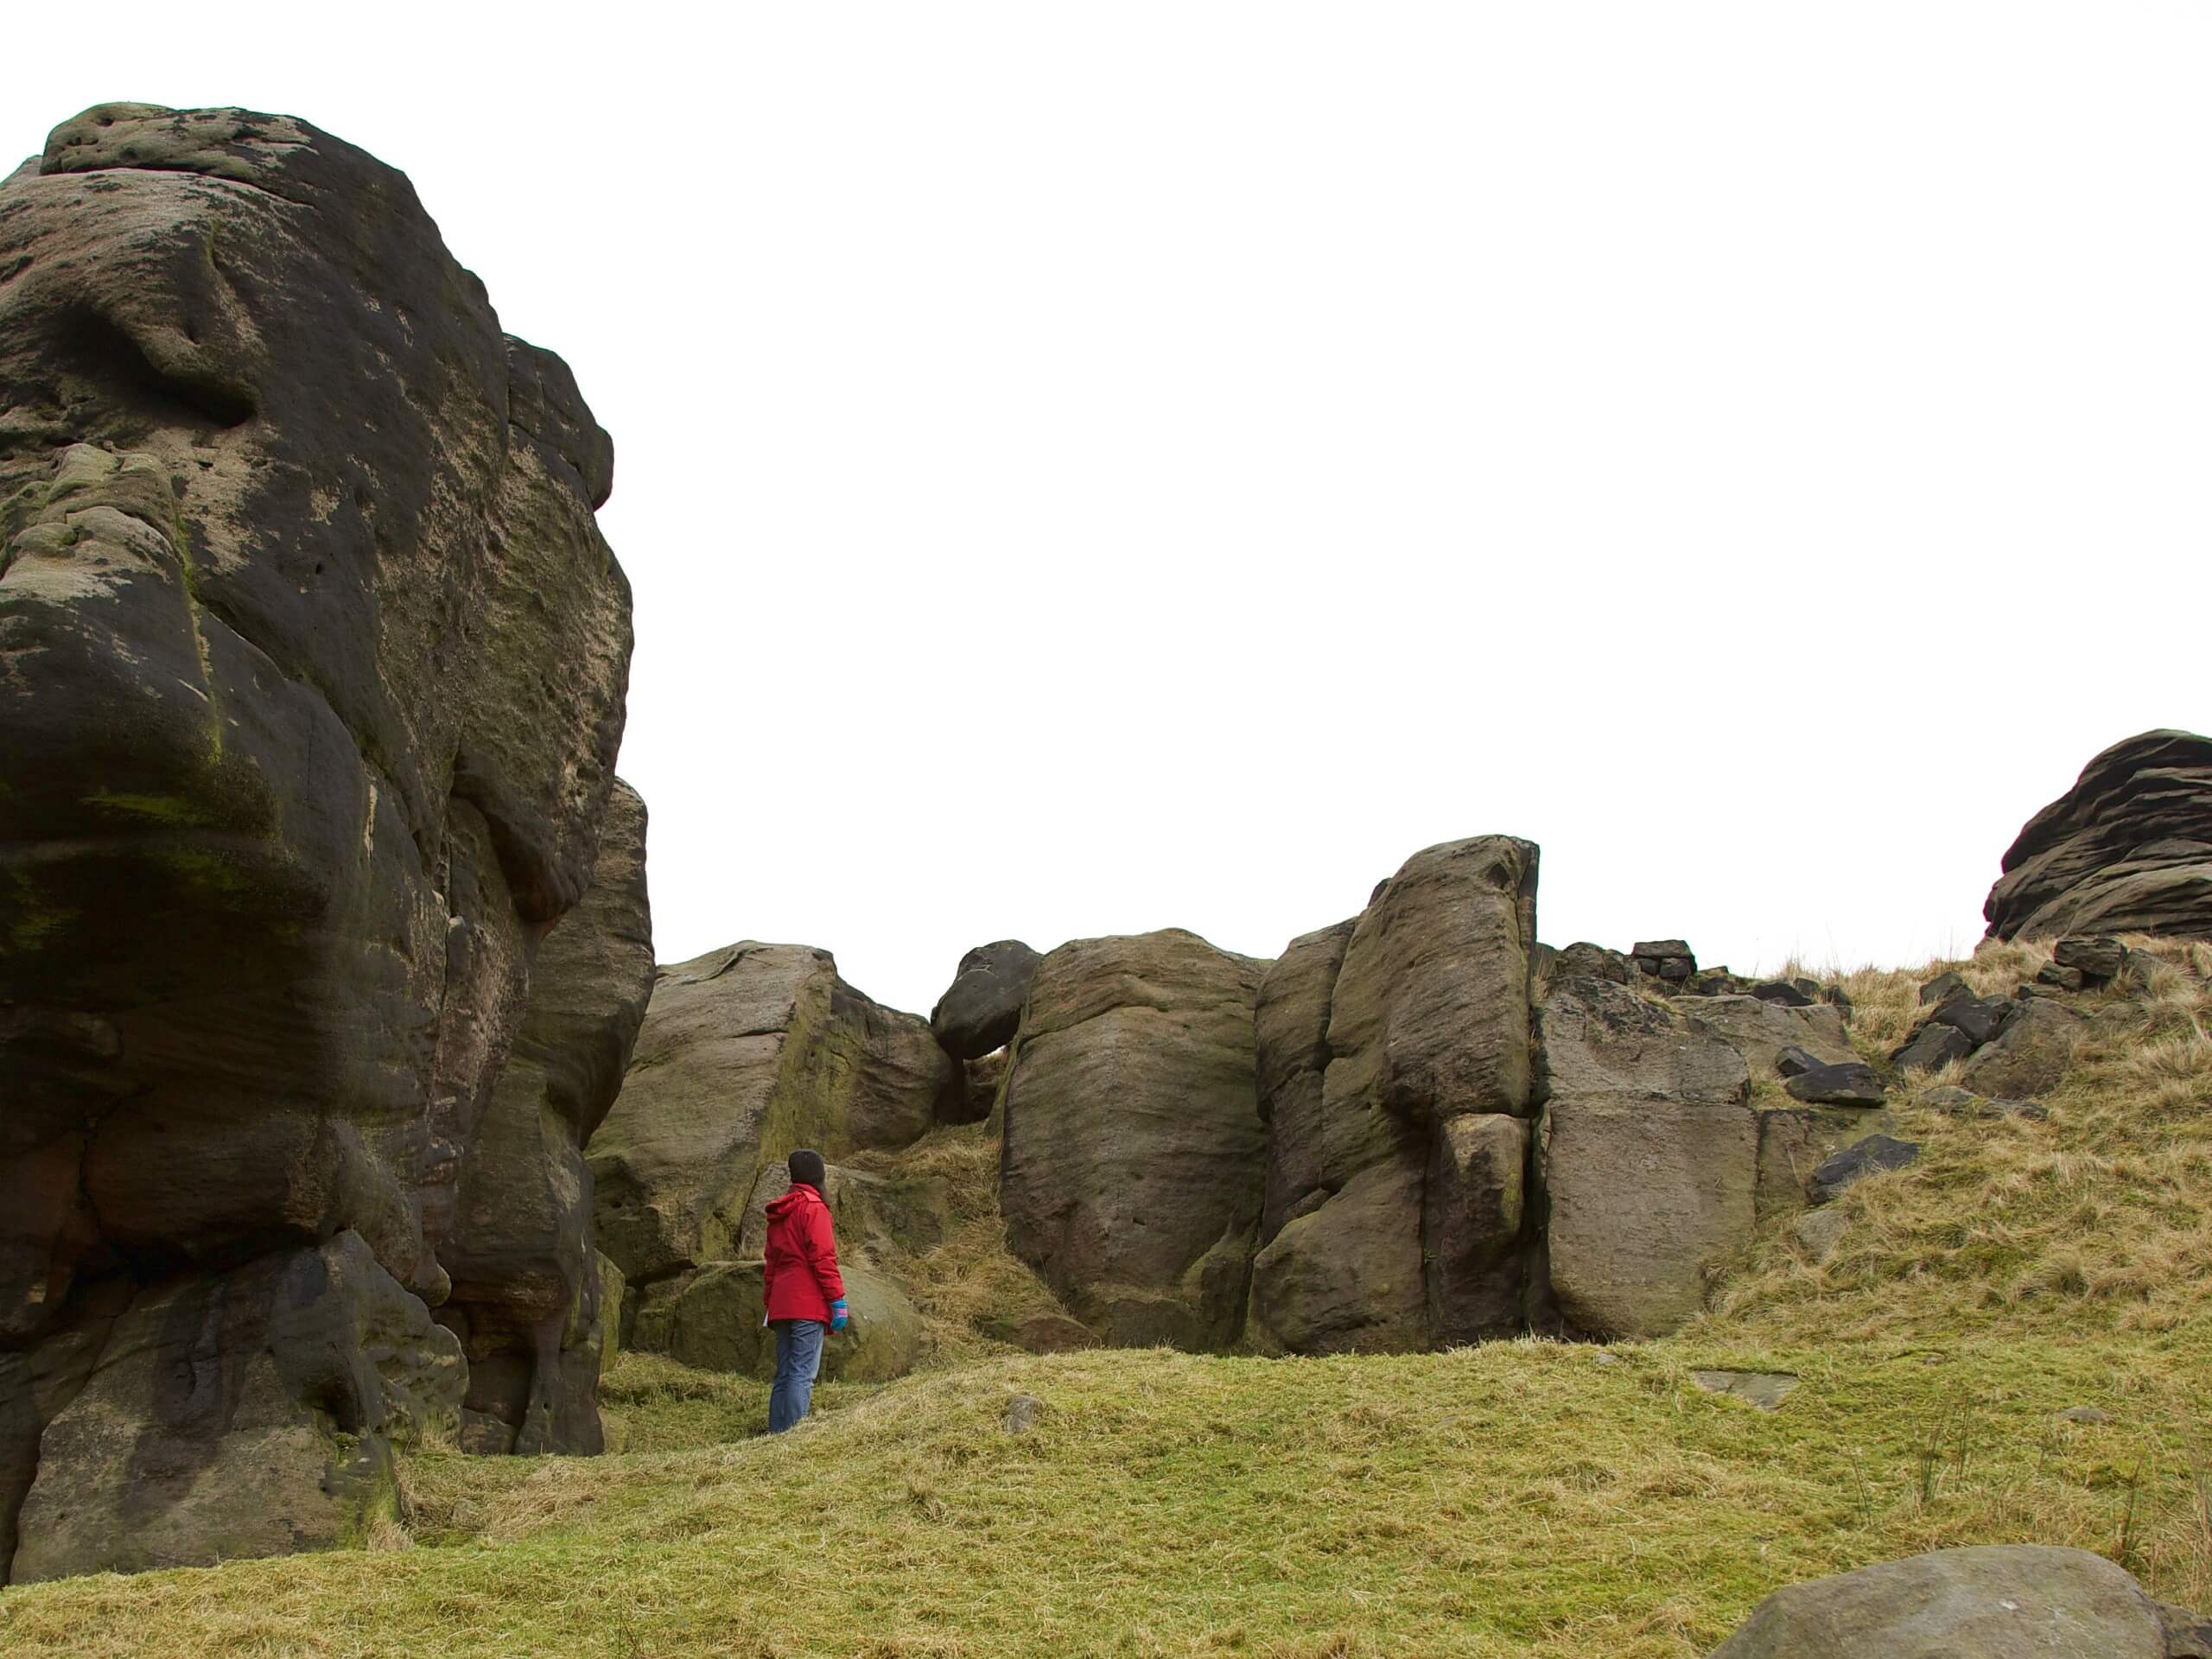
(1087, 469)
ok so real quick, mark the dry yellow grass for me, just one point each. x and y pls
(1519, 1498)
(969, 1286)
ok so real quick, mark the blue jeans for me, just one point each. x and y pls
(799, 1357)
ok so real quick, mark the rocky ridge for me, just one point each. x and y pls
(328, 950)
(2128, 849)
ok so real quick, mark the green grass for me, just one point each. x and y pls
(1521, 1497)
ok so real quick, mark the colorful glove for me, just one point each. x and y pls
(838, 1318)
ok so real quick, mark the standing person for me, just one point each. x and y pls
(805, 1293)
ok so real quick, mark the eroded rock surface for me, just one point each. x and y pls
(1762, 1029)
(312, 670)
(1132, 1176)
(2128, 849)
(1395, 1215)
(245, 1414)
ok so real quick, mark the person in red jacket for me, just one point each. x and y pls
(805, 1293)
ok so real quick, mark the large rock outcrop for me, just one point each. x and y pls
(1470, 1135)
(2128, 849)
(1131, 1178)
(744, 1054)
(312, 670)
(1395, 1067)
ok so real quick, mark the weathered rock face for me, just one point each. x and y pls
(1649, 1153)
(1992, 1602)
(1131, 1178)
(312, 667)
(1470, 1135)
(1760, 1030)
(207, 1428)
(981, 1009)
(2128, 849)
(526, 1285)
(1395, 1212)
(744, 1054)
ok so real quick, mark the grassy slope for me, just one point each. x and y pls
(1521, 1497)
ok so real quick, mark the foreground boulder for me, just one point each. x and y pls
(747, 1053)
(2128, 849)
(1394, 1072)
(1992, 1602)
(316, 663)
(1131, 1178)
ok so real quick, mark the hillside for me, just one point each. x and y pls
(1521, 1497)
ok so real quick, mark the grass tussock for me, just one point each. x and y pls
(1518, 1498)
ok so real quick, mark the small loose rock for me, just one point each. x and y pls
(1796, 1062)
(1931, 1048)
(1784, 992)
(1818, 1230)
(1858, 1160)
(1852, 1084)
(2097, 958)
(1942, 988)
(1765, 1389)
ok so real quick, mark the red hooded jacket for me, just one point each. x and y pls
(800, 1275)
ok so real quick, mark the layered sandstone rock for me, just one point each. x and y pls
(1763, 1031)
(1131, 1179)
(1388, 1047)
(2128, 849)
(312, 667)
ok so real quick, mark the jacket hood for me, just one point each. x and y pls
(801, 1194)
